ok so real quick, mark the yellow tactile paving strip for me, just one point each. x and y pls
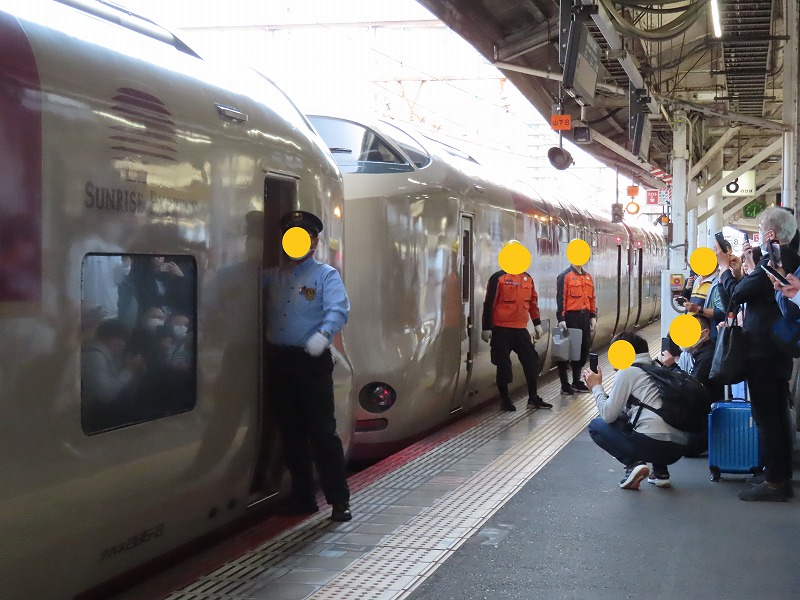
(411, 520)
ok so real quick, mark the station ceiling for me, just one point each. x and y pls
(665, 47)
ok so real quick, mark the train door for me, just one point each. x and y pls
(623, 283)
(638, 260)
(280, 193)
(467, 273)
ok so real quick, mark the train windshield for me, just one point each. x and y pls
(358, 149)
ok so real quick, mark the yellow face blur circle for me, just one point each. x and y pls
(685, 330)
(514, 258)
(703, 261)
(296, 242)
(578, 252)
(621, 354)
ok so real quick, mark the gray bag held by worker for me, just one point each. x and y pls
(575, 341)
(561, 345)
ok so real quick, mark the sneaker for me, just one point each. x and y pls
(634, 476)
(539, 403)
(580, 386)
(341, 513)
(763, 493)
(508, 406)
(660, 480)
(567, 390)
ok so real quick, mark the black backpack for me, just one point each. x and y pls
(685, 403)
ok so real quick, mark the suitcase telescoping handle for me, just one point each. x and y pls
(729, 394)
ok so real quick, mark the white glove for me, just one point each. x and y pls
(562, 325)
(316, 344)
(538, 332)
(592, 324)
(486, 335)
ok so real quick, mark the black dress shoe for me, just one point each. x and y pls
(763, 493)
(341, 513)
(579, 386)
(539, 403)
(508, 406)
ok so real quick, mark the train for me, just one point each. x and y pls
(123, 150)
(424, 224)
(141, 188)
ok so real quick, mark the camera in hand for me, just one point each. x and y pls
(593, 361)
(781, 279)
(774, 253)
(724, 244)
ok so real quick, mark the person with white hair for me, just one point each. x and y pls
(768, 369)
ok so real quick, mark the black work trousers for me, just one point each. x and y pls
(769, 399)
(504, 340)
(301, 388)
(576, 319)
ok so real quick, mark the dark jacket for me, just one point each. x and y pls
(761, 312)
(701, 369)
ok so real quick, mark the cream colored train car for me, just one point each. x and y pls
(423, 228)
(121, 148)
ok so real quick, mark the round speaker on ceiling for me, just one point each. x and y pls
(559, 158)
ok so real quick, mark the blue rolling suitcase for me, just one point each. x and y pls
(732, 439)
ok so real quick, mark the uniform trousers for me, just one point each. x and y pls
(301, 389)
(576, 319)
(504, 340)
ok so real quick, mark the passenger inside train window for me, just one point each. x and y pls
(109, 378)
(159, 351)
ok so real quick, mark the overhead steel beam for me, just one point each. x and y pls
(644, 166)
(614, 89)
(713, 189)
(719, 145)
(724, 114)
(518, 44)
(615, 42)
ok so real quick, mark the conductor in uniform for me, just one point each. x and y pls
(306, 305)
(510, 301)
(576, 308)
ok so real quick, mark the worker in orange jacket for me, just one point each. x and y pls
(510, 301)
(576, 307)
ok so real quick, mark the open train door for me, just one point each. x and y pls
(279, 198)
(466, 273)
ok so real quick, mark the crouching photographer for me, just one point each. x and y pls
(631, 435)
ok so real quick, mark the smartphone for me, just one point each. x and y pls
(781, 279)
(680, 300)
(746, 237)
(665, 345)
(774, 252)
(593, 361)
(724, 245)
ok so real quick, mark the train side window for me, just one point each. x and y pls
(358, 149)
(138, 353)
(563, 233)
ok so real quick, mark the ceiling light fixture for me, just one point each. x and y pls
(715, 19)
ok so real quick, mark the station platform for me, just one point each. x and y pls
(510, 505)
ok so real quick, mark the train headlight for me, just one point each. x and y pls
(377, 397)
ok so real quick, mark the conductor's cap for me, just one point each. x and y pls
(300, 218)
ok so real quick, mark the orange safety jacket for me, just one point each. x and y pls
(575, 292)
(510, 300)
